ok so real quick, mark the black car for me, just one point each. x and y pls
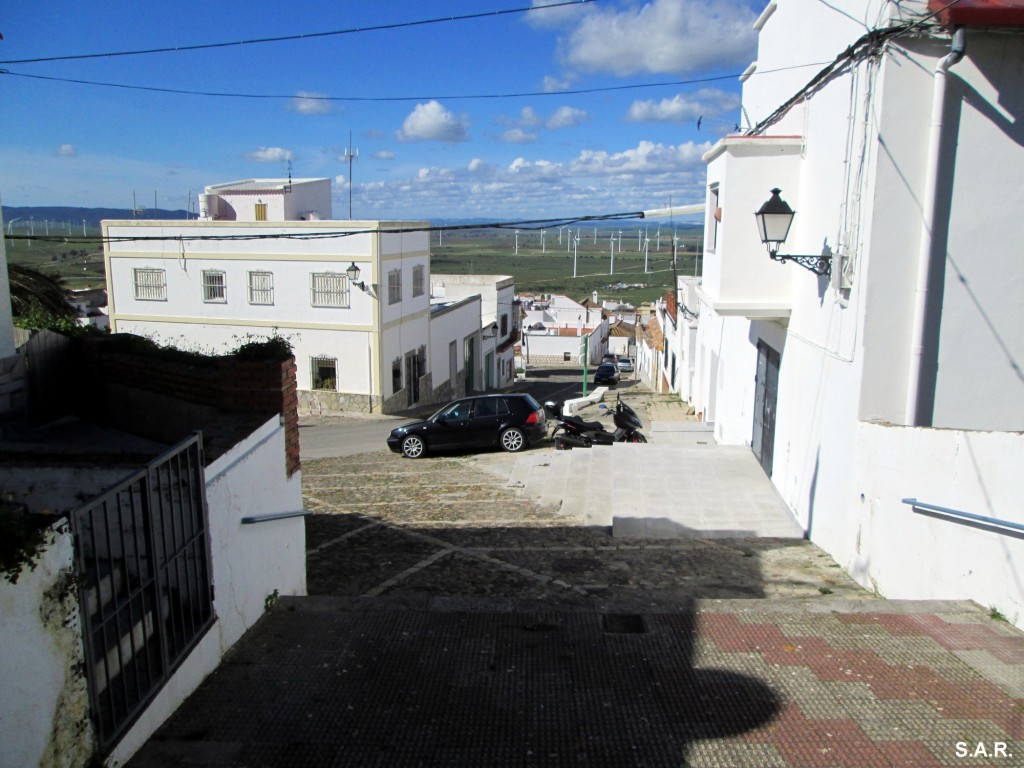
(509, 421)
(606, 373)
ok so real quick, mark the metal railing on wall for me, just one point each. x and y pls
(146, 592)
(993, 523)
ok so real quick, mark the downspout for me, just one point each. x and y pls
(930, 205)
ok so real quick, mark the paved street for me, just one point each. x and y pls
(459, 615)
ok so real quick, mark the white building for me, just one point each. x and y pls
(555, 327)
(899, 376)
(352, 297)
(498, 318)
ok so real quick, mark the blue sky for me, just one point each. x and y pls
(432, 156)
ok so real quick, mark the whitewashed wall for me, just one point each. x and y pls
(250, 562)
(906, 555)
(44, 711)
(447, 326)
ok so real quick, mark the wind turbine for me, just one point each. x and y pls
(658, 243)
(575, 245)
(647, 246)
(517, 242)
(620, 241)
(350, 155)
(639, 240)
(542, 233)
(612, 248)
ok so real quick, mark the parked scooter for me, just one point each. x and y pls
(574, 432)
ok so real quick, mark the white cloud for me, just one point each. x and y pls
(527, 117)
(566, 117)
(432, 122)
(552, 84)
(646, 175)
(662, 37)
(270, 155)
(555, 18)
(679, 109)
(66, 150)
(384, 154)
(310, 103)
(518, 136)
(646, 157)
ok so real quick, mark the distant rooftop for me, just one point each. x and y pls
(258, 185)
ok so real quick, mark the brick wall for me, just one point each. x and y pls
(168, 400)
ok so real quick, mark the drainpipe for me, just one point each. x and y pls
(930, 204)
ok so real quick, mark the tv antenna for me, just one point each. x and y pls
(350, 155)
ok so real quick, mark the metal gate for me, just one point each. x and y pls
(145, 583)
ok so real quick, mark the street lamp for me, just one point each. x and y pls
(774, 219)
(353, 277)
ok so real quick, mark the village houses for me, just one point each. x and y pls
(353, 298)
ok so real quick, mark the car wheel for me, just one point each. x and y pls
(513, 440)
(413, 446)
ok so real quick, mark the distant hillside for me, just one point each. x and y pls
(93, 216)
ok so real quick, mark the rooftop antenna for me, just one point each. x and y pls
(350, 155)
(288, 186)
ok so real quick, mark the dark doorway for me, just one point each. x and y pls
(765, 395)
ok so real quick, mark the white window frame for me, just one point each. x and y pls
(261, 294)
(215, 292)
(713, 217)
(417, 280)
(329, 289)
(149, 284)
(394, 286)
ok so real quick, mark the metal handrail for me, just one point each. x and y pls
(252, 519)
(966, 515)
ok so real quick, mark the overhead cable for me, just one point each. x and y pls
(304, 36)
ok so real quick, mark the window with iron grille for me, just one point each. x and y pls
(150, 284)
(261, 287)
(417, 280)
(325, 373)
(214, 286)
(329, 289)
(394, 286)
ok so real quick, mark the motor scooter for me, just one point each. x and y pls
(574, 432)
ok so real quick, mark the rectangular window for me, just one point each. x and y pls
(394, 286)
(329, 289)
(214, 286)
(504, 326)
(261, 211)
(325, 373)
(396, 375)
(261, 287)
(417, 280)
(714, 216)
(150, 284)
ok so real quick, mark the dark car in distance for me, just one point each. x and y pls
(606, 373)
(510, 422)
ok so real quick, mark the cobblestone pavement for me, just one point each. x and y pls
(454, 622)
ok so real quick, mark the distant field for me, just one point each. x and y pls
(551, 270)
(81, 265)
(468, 252)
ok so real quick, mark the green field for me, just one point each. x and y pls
(80, 264)
(475, 251)
(551, 270)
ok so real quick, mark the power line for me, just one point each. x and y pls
(427, 97)
(531, 224)
(305, 36)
